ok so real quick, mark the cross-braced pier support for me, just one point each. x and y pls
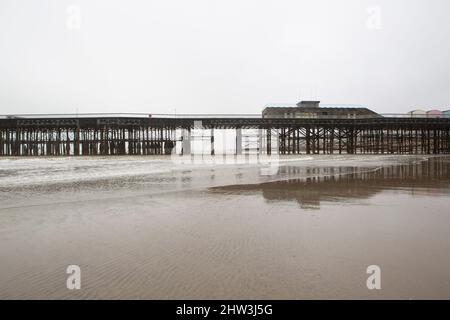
(158, 136)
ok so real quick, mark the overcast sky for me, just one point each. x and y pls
(228, 56)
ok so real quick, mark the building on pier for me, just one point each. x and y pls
(418, 113)
(435, 114)
(446, 114)
(313, 110)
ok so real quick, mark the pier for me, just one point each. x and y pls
(139, 134)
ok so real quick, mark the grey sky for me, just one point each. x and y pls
(208, 56)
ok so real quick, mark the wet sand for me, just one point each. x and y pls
(144, 228)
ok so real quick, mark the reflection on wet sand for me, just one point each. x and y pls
(336, 183)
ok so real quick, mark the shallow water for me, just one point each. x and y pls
(144, 227)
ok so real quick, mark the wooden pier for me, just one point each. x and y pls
(122, 135)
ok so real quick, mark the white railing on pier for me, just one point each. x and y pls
(126, 115)
(212, 116)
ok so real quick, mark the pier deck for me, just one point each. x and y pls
(35, 135)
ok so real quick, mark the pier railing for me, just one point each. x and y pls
(213, 115)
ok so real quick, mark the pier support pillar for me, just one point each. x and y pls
(260, 142)
(77, 141)
(269, 141)
(212, 142)
(239, 141)
(276, 140)
(186, 143)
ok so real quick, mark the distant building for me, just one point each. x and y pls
(447, 114)
(429, 114)
(434, 114)
(418, 113)
(312, 109)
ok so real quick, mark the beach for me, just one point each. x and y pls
(151, 228)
